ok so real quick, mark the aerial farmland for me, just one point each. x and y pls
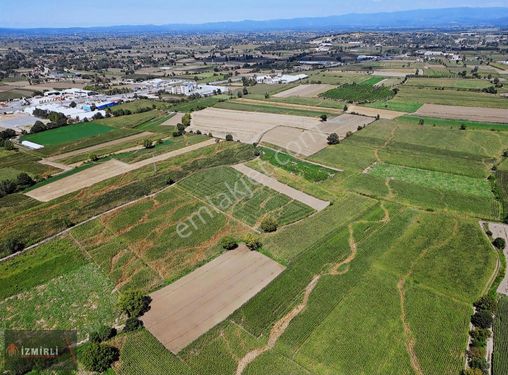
(268, 202)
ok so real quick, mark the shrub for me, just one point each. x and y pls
(8, 145)
(229, 137)
(333, 139)
(482, 319)
(479, 363)
(98, 357)
(186, 119)
(229, 243)
(134, 303)
(102, 334)
(147, 143)
(472, 371)
(324, 117)
(132, 324)
(476, 353)
(14, 245)
(269, 224)
(93, 157)
(499, 243)
(252, 242)
(479, 337)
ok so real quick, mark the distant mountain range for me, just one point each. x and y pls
(449, 18)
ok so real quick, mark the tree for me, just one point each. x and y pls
(134, 303)
(333, 139)
(267, 95)
(252, 242)
(181, 128)
(482, 319)
(229, 137)
(24, 180)
(73, 104)
(229, 243)
(8, 145)
(39, 126)
(499, 243)
(421, 122)
(13, 245)
(7, 187)
(93, 157)
(479, 363)
(345, 108)
(98, 116)
(102, 334)
(147, 143)
(462, 127)
(132, 324)
(323, 117)
(98, 357)
(7, 134)
(472, 371)
(186, 119)
(269, 224)
(488, 302)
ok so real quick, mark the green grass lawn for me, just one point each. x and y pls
(433, 179)
(67, 134)
(450, 83)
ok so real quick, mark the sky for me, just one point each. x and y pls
(82, 13)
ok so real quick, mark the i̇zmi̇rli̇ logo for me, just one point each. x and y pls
(32, 352)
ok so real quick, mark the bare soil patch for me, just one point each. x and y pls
(373, 112)
(496, 115)
(174, 120)
(102, 172)
(248, 127)
(272, 183)
(306, 91)
(188, 308)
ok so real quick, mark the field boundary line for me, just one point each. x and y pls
(65, 231)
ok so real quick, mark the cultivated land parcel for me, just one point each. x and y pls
(375, 262)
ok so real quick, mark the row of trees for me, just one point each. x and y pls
(97, 355)
(22, 181)
(482, 321)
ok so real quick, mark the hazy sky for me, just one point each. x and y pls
(63, 13)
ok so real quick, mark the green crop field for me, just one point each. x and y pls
(432, 121)
(500, 361)
(360, 93)
(67, 134)
(434, 180)
(382, 281)
(449, 83)
(230, 190)
(309, 171)
(409, 94)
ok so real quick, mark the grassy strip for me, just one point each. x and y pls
(499, 357)
(414, 120)
(271, 109)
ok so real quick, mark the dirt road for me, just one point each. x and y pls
(272, 183)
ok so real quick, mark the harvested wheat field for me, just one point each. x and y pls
(496, 115)
(344, 124)
(102, 172)
(247, 127)
(298, 141)
(174, 120)
(399, 73)
(188, 308)
(306, 91)
(78, 181)
(373, 112)
(272, 183)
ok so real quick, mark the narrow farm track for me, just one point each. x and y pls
(281, 325)
(410, 342)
